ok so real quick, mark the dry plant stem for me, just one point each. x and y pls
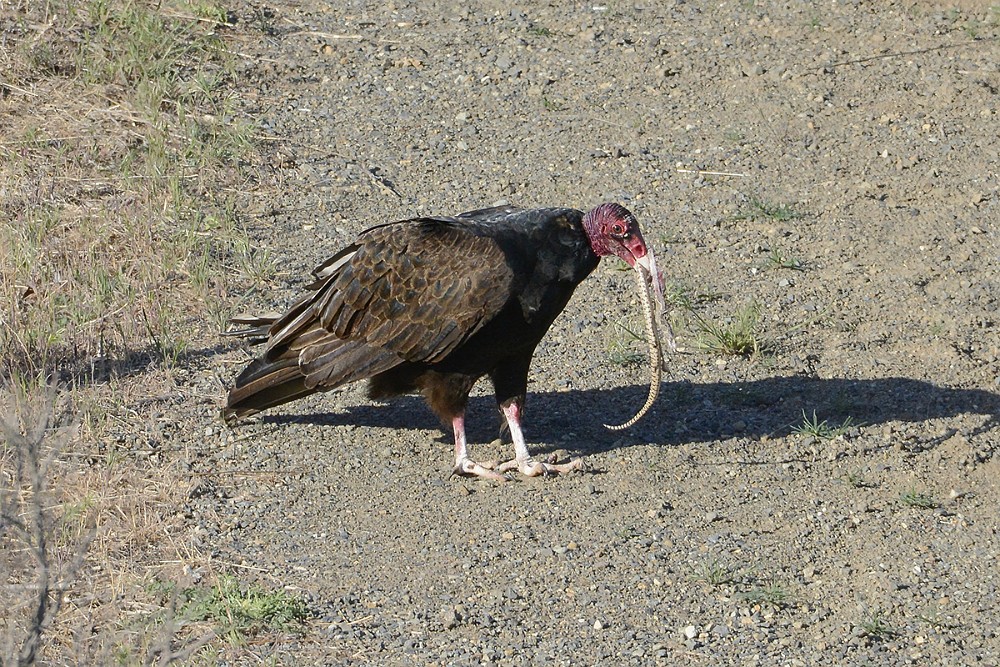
(161, 653)
(655, 360)
(33, 533)
(30, 472)
(702, 172)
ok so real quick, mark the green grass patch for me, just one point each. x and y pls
(858, 481)
(918, 499)
(243, 611)
(626, 346)
(683, 296)
(714, 573)
(824, 430)
(119, 189)
(876, 627)
(777, 259)
(759, 209)
(124, 170)
(772, 595)
(237, 611)
(735, 337)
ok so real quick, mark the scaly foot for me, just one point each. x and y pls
(531, 468)
(466, 467)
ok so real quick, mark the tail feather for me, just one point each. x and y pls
(320, 366)
(265, 384)
(301, 356)
(260, 326)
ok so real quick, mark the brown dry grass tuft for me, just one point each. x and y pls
(121, 169)
(116, 154)
(82, 543)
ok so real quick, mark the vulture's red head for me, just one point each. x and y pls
(613, 230)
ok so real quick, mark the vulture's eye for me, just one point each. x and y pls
(618, 229)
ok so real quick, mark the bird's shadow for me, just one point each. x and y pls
(687, 412)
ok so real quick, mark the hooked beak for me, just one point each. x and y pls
(647, 263)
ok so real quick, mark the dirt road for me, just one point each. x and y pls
(831, 168)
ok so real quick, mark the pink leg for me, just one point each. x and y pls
(522, 457)
(465, 466)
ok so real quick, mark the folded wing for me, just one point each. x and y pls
(410, 291)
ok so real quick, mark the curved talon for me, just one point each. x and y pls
(531, 468)
(578, 463)
(468, 468)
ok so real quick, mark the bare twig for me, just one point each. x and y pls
(702, 172)
(324, 35)
(161, 652)
(25, 435)
(899, 54)
(23, 91)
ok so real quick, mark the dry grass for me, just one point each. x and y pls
(121, 169)
(115, 157)
(82, 543)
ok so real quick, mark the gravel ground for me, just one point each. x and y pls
(857, 208)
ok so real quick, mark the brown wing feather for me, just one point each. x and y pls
(417, 288)
(411, 291)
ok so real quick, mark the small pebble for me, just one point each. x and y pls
(449, 618)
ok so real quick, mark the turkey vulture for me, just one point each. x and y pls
(433, 304)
